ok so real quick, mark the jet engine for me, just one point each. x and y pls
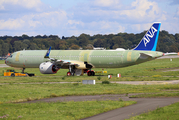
(48, 68)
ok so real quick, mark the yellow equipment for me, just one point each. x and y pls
(12, 73)
(100, 71)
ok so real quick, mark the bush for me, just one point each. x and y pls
(105, 82)
(99, 77)
(75, 84)
(63, 78)
(53, 95)
(29, 99)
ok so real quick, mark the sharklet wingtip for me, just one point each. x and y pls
(48, 53)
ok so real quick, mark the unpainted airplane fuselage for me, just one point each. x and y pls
(96, 58)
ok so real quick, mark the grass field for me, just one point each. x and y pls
(165, 113)
(152, 70)
(12, 90)
(2, 61)
(59, 110)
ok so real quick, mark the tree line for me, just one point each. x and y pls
(8, 44)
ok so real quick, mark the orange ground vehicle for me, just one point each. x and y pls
(12, 73)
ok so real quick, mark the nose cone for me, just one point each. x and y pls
(7, 61)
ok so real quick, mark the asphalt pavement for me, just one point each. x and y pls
(3, 65)
(143, 105)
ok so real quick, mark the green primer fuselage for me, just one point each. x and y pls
(97, 58)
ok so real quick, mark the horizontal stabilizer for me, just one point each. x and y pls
(167, 54)
(145, 56)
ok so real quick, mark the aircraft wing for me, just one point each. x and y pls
(65, 63)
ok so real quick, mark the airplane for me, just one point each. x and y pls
(80, 61)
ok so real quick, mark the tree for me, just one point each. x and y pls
(74, 47)
(5, 49)
(89, 47)
(24, 36)
(173, 48)
(83, 41)
(99, 43)
(115, 46)
(117, 40)
(18, 45)
(0, 50)
(33, 46)
(62, 45)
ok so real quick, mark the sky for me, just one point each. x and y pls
(74, 17)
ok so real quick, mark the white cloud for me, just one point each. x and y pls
(93, 17)
(29, 4)
(42, 23)
(143, 10)
(140, 27)
(107, 3)
(171, 27)
(11, 24)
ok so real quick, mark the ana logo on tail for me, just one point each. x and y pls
(150, 34)
(150, 39)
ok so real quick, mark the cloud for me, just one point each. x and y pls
(143, 10)
(92, 17)
(28, 4)
(138, 14)
(97, 27)
(107, 3)
(24, 16)
(52, 19)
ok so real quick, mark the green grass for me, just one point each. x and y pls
(24, 92)
(59, 110)
(2, 61)
(16, 92)
(152, 70)
(165, 113)
(154, 95)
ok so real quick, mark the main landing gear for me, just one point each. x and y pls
(90, 73)
(23, 70)
(71, 71)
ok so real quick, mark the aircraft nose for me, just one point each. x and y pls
(7, 61)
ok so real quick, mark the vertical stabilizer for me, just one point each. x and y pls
(150, 39)
(48, 53)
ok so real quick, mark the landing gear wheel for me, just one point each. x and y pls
(89, 73)
(12, 75)
(68, 74)
(92, 73)
(72, 74)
